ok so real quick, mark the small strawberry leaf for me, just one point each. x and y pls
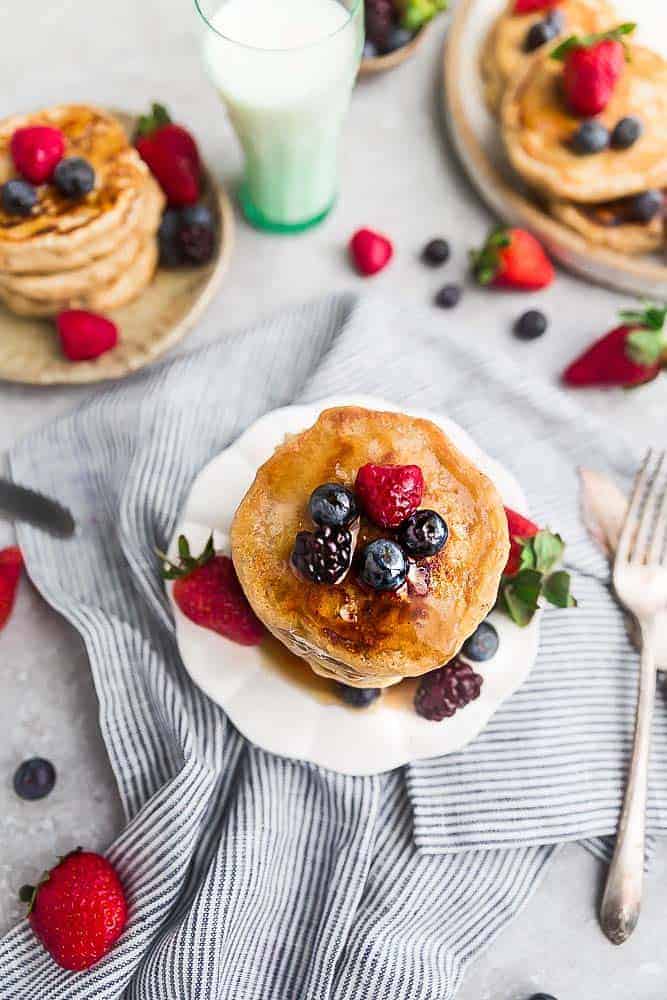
(548, 550)
(556, 590)
(652, 317)
(149, 123)
(187, 563)
(521, 595)
(586, 41)
(645, 347)
(485, 263)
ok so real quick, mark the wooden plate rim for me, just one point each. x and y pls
(379, 64)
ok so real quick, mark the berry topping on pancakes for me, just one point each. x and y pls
(593, 65)
(323, 556)
(36, 150)
(389, 493)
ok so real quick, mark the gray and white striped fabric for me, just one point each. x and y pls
(251, 877)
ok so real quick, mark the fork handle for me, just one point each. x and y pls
(622, 896)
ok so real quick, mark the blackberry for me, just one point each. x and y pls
(447, 689)
(334, 504)
(34, 778)
(197, 242)
(422, 534)
(359, 697)
(74, 177)
(379, 22)
(323, 556)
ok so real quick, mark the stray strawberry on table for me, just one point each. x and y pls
(629, 355)
(512, 258)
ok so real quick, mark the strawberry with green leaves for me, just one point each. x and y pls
(172, 155)
(593, 65)
(512, 258)
(530, 574)
(629, 355)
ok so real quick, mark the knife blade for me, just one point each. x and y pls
(18, 503)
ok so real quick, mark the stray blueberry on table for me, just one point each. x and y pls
(422, 534)
(436, 252)
(18, 197)
(382, 565)
(448, 296)
(645, 206)
(590, 137)
(34, 778)
(530, 325)
(483, 644)
(359, 697)
(542, 996)
(626, 133)
(74, 177)
(334, 504)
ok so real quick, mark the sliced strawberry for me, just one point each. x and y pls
(389, 493)
(628, 355)
(370, 252)
(593, 67)
(85, 335)
(208, 592)
(11, 564)
(530, 6)
(172, 155)
(36, 151)
(520, 528)
(512, 258)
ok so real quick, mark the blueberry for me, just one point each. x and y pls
(359, 697)
(645, 206)
(34, 778)
(423, 533)
(530, 325)
(542, 996)
(168, 235)
(482, 644)
(333, 504)
(436, 252)
(370, 50)
(539, 34)
(18, 197)
(382, 565)
(448, 296)
(556, 18)
(398, 37)
(197, 215)
(590, 137)
(626, 133)
(74, 177)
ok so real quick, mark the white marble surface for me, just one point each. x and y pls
(398, 175)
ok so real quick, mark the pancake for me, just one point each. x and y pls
(360, 637)
(118, 292)
(537, 128)
(504, 55)
(610, 224)
(60, 227)
(100, 271)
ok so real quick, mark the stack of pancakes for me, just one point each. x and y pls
(595, 195)
(97, 252)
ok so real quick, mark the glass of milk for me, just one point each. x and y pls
(285, 69)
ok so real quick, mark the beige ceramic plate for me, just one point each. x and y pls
(393, 59)
(161, 316)
(477, 140)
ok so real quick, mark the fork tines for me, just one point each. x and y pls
(644, 532)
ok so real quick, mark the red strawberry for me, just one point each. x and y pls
(208, 592)
(593, 66)
(85, 335)
(36, 151)
(389, 493)
(370, 251)
(78, 911)
(512, 258)
(530, 6)
(520, 528)
(172, 155)
(11, 564)
(628, 355)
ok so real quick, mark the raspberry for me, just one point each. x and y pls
(389, 493)
(36, 150)
(447, 689)
(85, 335)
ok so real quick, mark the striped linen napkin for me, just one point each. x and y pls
(252, 877)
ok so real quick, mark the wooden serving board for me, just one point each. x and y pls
(160, 317)
(476, 136)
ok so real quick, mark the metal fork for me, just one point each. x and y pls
(640, 581)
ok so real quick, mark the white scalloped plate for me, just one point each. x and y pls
(287, 717)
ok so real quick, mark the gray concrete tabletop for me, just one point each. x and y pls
(398, 174)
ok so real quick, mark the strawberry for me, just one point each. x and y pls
(512, 258)
(593, 65)
(36, 151)
(389, 493)
(530, 573)
(172, 155)
(370, 252)
(208, 592)
(11, 564)
(78, 911)
(530, 6)
(85, 335)
(628, 355)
